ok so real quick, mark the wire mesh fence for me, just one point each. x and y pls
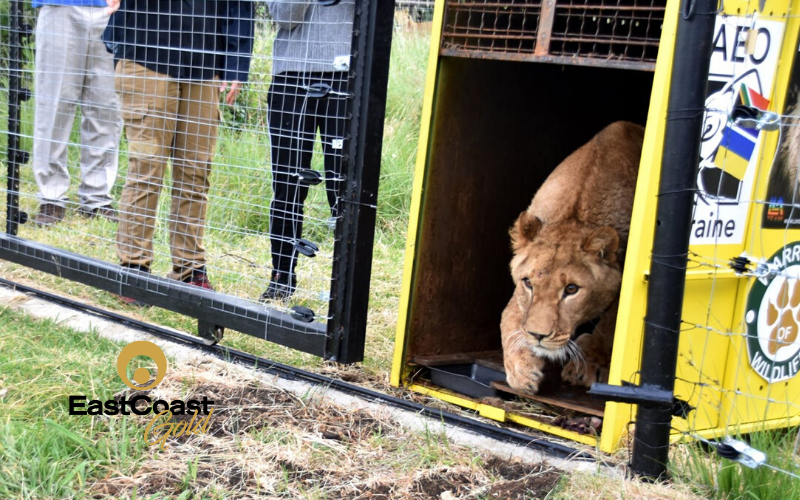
(209, 143)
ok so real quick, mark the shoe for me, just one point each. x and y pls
(131, 302)
(107, 211)
(281, 286)
(127, 300)
(199, 278)
(49, 215)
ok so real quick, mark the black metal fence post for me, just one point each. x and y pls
(688, 85)
(16, 95)
(372, 41)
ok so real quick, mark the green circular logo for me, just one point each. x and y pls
(773, 318)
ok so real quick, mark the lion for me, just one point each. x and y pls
(569, 247)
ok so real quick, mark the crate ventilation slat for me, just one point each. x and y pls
(609, 33)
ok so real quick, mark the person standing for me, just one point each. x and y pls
(174, 59)
(74, 69)
(311, 55)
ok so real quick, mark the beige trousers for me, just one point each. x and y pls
(74, 69)
(166, 120)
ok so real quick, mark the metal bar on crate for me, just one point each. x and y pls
(530, 57)
(369, 76)
(546, 19)
(216, 308)
(16, 94)
(662, 323)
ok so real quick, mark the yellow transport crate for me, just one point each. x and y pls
(515, 86)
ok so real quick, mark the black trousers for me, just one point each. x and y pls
(294, 118)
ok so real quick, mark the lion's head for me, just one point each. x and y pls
(566, 274)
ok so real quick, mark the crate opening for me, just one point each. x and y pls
(499, 129)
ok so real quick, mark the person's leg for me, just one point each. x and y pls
(60, 56)
(100, 120)
(291, 146)
(193, 152)
(149, 103)
(332, 111)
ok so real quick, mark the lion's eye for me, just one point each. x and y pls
(571, 289)
(527, 283)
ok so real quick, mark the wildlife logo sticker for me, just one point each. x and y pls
(773, 318)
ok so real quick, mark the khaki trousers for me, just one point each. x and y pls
(165, 120)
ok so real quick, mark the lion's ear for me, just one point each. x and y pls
(524, 230)
(603, 242)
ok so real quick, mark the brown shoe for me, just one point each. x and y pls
(106, 211)
(49, 215)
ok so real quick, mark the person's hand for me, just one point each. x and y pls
(113, 6)
(233, 91)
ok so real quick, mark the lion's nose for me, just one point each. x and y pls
(538, 336)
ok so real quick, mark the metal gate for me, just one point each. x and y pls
(326, 315)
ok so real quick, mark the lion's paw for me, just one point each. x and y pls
(524, 380)
(584, 373)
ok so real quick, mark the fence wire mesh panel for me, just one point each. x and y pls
(196, 156)
(618, 33)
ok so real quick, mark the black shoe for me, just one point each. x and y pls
(281, 286)
(107, 211)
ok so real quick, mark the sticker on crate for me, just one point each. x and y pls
(742, 73)
(773, 318)
(782, 209)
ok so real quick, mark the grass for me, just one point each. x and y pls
(263, 441)
(45, 452)
(719, 478)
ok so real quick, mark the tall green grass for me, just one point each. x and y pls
(44, 451)
(722, 479)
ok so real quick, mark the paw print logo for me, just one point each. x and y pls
(783, 316)
(773, 319)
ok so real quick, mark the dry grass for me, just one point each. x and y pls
(583, 486)
(265, 442)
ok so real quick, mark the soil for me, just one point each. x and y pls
(319, 451)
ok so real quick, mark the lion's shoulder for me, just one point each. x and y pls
(595, 184)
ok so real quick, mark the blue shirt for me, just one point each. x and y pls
(185, 39)
(83, 3)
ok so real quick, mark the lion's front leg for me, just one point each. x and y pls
(523, 370)
(596, 348)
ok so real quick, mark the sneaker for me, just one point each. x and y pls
(281, 286)
(127, 300)
(131, 302)
(107, 211)
(49, 215)
(199, 278)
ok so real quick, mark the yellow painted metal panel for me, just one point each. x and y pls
(628, 336)
(743, 400)
(398, 363)
(556, 431)
(502, 416)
